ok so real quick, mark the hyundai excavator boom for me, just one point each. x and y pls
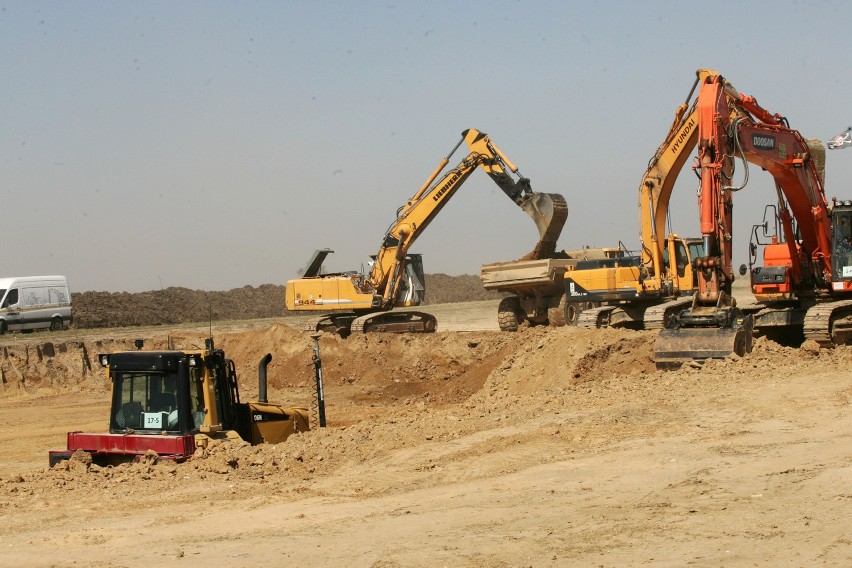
(643, 290)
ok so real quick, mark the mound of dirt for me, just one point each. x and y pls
(182, 305)
(175, 305)
(482, 434)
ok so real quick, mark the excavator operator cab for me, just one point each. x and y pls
(773, 280)
(681, 256)
(841, 223)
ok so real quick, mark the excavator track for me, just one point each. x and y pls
(656, 317)
(595, 317)
(395, 322)
(821, 325)
(333, 323)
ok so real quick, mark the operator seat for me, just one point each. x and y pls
(129, 415)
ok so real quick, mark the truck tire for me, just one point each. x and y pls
(565, 313)
(508, 314)
(56, 324)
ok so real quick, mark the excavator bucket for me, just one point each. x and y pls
(678, 345)
(549, 211)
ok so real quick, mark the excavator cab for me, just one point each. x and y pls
(773, 280)
(682, 258)
(841, 253)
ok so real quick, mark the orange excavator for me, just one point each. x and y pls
(805, 285)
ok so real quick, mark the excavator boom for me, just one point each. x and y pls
(548, 211)
(645, 291)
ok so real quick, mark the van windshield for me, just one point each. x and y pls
(2, 293)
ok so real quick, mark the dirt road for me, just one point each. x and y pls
(549, 447)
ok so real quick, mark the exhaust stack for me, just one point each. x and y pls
(261, 378)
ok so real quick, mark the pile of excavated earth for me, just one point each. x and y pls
(175, 305)
(546, 447)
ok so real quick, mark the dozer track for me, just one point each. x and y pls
(824, 325)
(395, 322)
(656, 317)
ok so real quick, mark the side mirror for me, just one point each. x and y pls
(743, 269)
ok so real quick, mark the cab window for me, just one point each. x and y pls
(696, 250)
(842, 254)
(145, 401)
(680, 258)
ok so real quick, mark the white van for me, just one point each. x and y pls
(34, 302)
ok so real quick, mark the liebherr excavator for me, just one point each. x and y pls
(806, 283)
(645, 291)
(363, 302)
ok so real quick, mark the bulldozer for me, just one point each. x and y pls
(172, 402)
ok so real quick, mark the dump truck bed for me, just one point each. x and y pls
(544, 276)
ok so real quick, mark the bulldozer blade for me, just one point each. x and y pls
(681, 345)
(549, 211)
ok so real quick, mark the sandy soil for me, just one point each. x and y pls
(469, 447)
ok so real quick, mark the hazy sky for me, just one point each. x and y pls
(214, 145)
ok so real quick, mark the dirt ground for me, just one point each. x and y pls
(470, 447)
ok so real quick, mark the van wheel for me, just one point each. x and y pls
(56, 324)
(2, 327)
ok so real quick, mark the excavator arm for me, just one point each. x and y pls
(659, 286)
(663, 169)
(548, 211)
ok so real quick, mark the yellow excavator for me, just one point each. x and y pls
(646, 290)
(357, 302)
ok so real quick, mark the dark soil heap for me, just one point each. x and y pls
(182, 305)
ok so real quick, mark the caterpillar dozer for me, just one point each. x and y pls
(645, 290)
(805, 285)
(172, 402)
(361, 303)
